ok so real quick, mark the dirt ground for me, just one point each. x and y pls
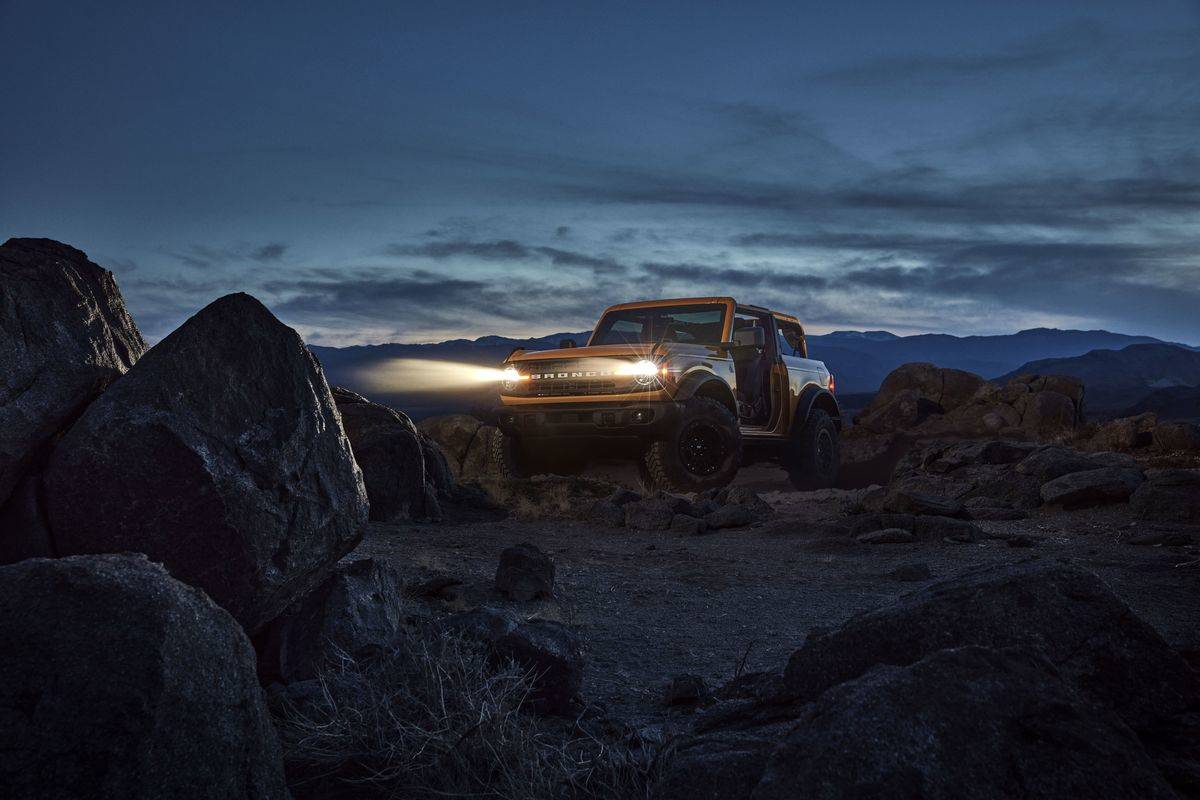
(652, 605)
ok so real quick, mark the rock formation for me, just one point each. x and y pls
(220, 454)
(390, 451)
(121, 682)
(64, 337)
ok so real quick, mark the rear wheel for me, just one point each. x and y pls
(814, 453)
(703, 451)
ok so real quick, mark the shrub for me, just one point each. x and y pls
(431, 719)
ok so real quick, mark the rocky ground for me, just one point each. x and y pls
(651, 605)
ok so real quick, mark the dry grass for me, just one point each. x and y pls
(432, 720)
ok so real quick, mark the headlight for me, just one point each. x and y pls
(511, 376)
(644, 372)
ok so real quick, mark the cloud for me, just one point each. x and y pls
(505, 250)
(570, 258)
(1118, 282)
(727, 280)
(269, 252)
(1055, 48)
(498, 250)
(200, 256)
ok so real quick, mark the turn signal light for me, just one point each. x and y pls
(832, 383)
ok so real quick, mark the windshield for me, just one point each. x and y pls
(700, 324)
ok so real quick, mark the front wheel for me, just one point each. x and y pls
(814, 453)
(508, 458)
(703, 451)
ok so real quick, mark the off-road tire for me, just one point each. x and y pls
(508, 458)
(667, 460)
(813, 454)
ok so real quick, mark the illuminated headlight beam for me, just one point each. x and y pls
(400, 375)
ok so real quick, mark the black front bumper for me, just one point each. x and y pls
(588, 420)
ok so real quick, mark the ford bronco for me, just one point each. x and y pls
(690, 383)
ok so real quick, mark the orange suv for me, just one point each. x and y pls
(689, 382)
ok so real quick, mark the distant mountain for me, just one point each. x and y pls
(1115, 380)
(860, 360)
(1173, 402)
(861, 363)
(870, 336)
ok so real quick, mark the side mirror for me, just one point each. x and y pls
(567, 343)
(750, 337)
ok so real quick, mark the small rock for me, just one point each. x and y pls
(607, 513)
(525, 573)
(651, 514)
(702, 508)
(357, 610)
(483, 624)
(888, 536)
(686, 690)
(740, 496)
(716, 495)
(552, 654)
(688, 526)
(621, 497)
(1169, 495)
(930, 528)
(904, 501)
(1091, 487)
(912, 572)
(729, 516)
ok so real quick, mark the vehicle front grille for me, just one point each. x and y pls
(561, 387)
(570, 378)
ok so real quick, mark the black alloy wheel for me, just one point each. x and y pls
(701, 449)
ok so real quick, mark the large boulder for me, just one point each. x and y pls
(1168, 495)
(1068, 614)
(1177, 437)
(968, 722)
(955, 472)
(1052, 462)
(220, 454)
(465, 441)
(64, 337)
(942, 387)
(357, 612)
(1126, 433)
(924, 401)
(1092, 487)
(1047, 415)
(388, 449)
(120, 682)
(886, 697)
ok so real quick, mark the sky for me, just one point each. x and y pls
(394, 171)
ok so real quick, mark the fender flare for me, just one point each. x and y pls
(813, 396)
(692, 383)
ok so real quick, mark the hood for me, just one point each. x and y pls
(622, 351)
